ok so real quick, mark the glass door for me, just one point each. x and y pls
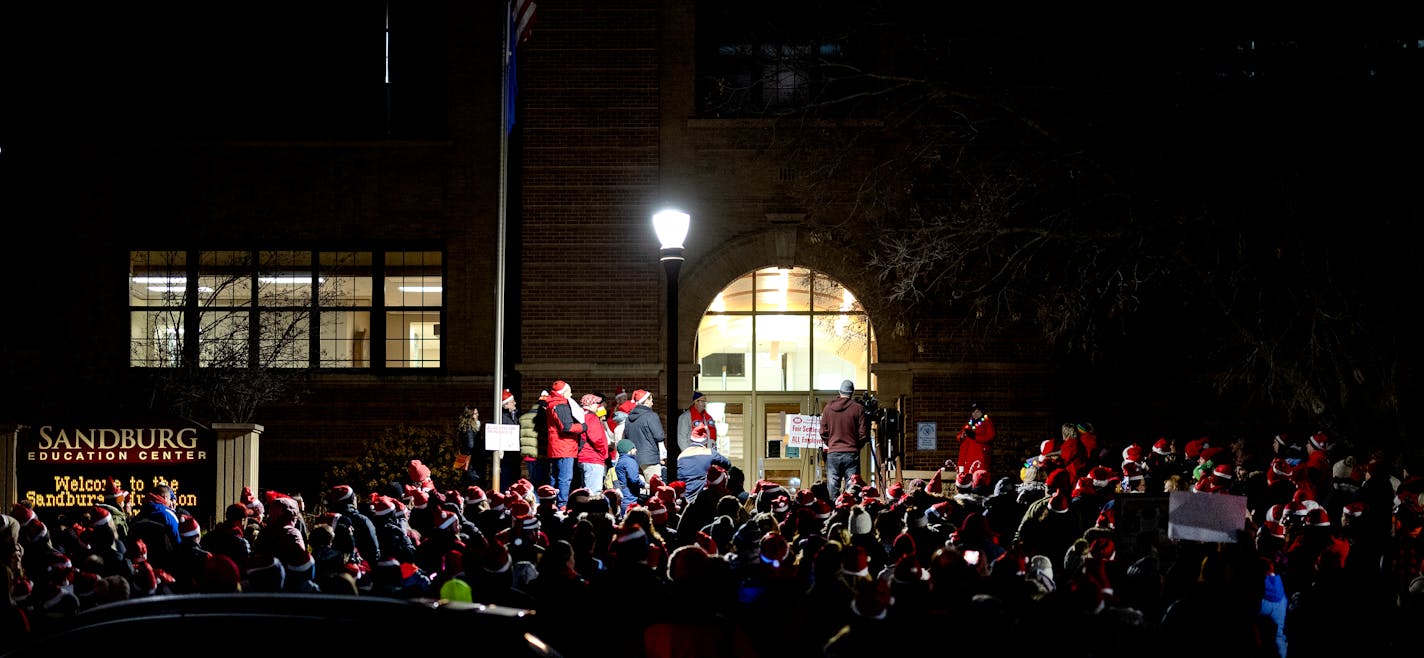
(775, 460)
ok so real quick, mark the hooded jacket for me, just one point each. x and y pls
(843, 425)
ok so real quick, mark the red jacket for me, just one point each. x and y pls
(595, 440)
(564, 428)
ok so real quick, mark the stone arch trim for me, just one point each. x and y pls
(707, 273)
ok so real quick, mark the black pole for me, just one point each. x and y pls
(672, 262)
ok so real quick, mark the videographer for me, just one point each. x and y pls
(845, 429)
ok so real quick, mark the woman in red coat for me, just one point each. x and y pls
(974, 440)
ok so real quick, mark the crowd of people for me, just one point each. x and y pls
(653, 562)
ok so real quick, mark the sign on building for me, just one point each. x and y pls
(925, 435)
(803, 431)
(65, 469)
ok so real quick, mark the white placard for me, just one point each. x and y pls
(1205, 517)
(501, 437)
(803, 431)
(925, 435)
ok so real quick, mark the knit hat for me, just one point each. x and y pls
(419, 474)
(625, 446)
(188, 527)
(589, 400)
(640, 396)
(697, 395)
(847, 387)
(860, 523)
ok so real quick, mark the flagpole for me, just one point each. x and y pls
(499, 272)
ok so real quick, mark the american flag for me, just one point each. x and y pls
(521, 23)
(521, 20)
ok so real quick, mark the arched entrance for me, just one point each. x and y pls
(773, 343)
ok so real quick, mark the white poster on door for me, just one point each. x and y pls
(803, 431)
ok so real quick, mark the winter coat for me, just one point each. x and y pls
(594, 443)
(645, 430)
(630, 479)
(692, 465)
(533, 433)
(844, 426)
(974, 441)
(564, 428)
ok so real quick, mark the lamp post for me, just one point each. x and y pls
(671, 227)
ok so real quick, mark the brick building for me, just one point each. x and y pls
(200, 144)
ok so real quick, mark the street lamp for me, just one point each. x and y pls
(671, 227)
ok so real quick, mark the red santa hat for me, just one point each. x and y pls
(1162, 446)
(1059, 480)
(845, 501)
(101, 517)
(250, 501)
(716, 476)
(895, 491)
(640, 396)
(506, 396)
(1320, 441)
(780, 504)
(855, 562)
(474, 495)
(113, 492)
(528, 522)
(1132, 453)
(1353, 511)
(774, 547)
(1132, 472)
(562, 388)
(547, 494)
(821, 509)
(1273, 529)
(658, 510)
(805, 498)
(706, 543)
(1047, 448)
(383, 506)
(1225, 471)
(1193, 448)
(339, 494)
(869, 494)
(188, 527)
(419, 500)
(519, 507)
(446, 520)
(496, 499)
(1317, 518)
(1275, 512)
